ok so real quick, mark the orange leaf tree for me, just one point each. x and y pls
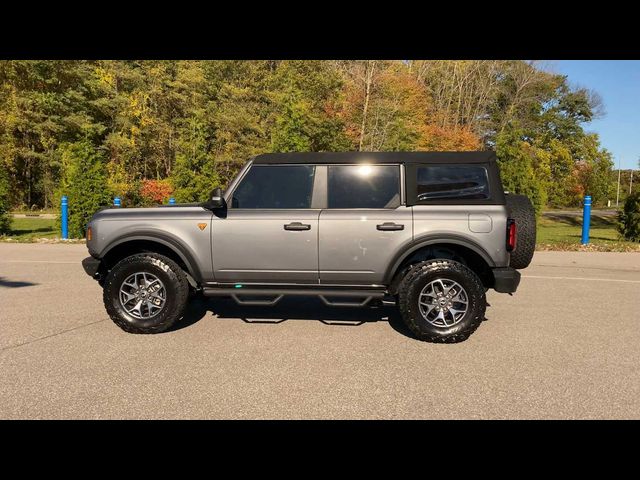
(155, 191)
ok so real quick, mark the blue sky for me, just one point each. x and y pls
(618, 83)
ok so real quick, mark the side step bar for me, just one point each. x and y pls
(274, 295)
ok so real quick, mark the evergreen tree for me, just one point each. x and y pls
(5, 220)
(629, 218)
(84, 183)
(291, 132)
(304, 95)
(194, 174)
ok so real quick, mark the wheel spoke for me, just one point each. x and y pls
(428, 306)
(157, 295)
(440, 316)
(150, 306)
(137, 308)
(455, 312)
(458, 298)
(128, 296)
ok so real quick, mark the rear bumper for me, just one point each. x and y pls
(91, 266)
(507, 279)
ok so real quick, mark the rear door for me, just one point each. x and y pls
(363, 225)
(270, 232)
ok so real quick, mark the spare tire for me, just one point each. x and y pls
(521, 210)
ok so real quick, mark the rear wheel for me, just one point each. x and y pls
(441, 301)
(145, 293)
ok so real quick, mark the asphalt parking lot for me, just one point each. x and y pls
(566, 345)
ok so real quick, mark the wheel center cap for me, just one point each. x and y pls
(442, 301)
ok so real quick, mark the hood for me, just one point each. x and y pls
(181, 210)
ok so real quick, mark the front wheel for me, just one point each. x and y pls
(145, 293)
(441, 301)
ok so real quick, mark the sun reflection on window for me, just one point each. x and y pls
(365, 170)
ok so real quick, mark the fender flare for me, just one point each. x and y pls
(164, 239)
(425, 241)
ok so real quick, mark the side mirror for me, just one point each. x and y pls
(216, 200)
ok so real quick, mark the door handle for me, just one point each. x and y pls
(389, 226)
(297, 226)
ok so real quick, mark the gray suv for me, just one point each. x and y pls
(429, 232)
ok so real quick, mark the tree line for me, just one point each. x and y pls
(144, 130)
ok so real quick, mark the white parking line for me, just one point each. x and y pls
(583, 278)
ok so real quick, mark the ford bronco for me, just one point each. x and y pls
(429, 232)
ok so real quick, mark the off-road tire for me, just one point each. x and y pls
(416, 279)
(174, 280)
(522, 211)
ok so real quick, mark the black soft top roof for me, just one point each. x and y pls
(375, 157)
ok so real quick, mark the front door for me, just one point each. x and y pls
(364, 224)
(270, 233)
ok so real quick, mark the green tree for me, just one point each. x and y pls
(238, 112)
(5, 220)
(84, 183)
(194, 174)
(305, 96)
(593, 171)
(629, 218)
(206, 118)
(560, 183)
(291, 132)
(516, 159)
(43, 104)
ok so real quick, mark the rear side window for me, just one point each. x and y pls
(275, 186)
(363, 186)
(452, 182)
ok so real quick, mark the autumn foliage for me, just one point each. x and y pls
(439, 138)
(182, 127)
(155, 191)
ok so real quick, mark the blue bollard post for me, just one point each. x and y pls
(116, 202)
(586, 219)
(172, 201)
(64, 217)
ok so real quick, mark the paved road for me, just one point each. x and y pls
(567, 345)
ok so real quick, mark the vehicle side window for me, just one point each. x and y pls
(275, 186)
(452, 182)
(363, 186)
